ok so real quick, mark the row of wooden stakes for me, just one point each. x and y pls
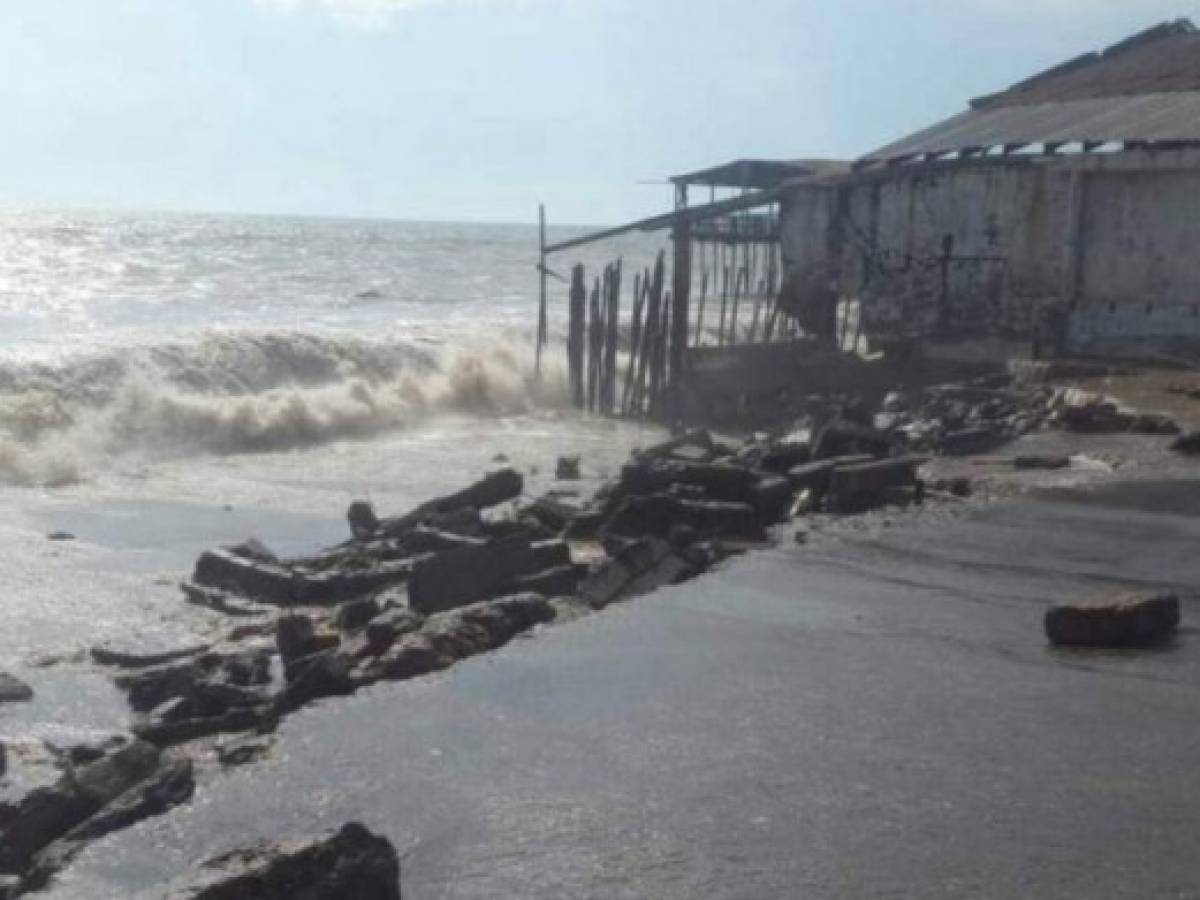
(594, 337)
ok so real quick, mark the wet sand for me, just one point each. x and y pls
(876, 715)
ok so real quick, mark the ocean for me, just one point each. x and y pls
(172, 382)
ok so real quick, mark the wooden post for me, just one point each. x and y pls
(724, 299)
(700, 311)
(662, 341)
(542, 324)
(635, 337)
(575, 335)
(595, 335)
(608, 383)
(737, 296)
(681, 290)
(651, 342)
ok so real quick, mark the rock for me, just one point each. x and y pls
(151, 687)
(639, 568)
(383, 630)
(363, 521)
(842, 438)
(350, 864)
(254, 550)
(174, 710)
(567, 468)
(47, 813)
(247, 668)
(131, 659)
(1154, 423)
(968, 441)
(491, 490)
(219, 601)
(325, 674)
(470, 574)
(556, 582)
(423, 539)
(242, 751)
(409, 657)
(1089, 413)
(857, 486)
(354, 614)
(772, 498)
(246, 718)
(813, 476)
(654, 516)
(691, 446)
(1126, 621)
(1188, 444)
(169, 786)
(485, 626)
(295, 636)
(13, 690)
(265, 582)
(1042, 462)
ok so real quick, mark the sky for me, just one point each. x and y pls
(476, 110)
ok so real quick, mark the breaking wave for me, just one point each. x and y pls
(242, 393)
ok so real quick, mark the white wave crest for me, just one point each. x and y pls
(250, 393)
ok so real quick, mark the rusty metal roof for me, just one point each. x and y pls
(1173, 116)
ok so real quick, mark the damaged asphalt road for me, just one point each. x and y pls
(857, 718)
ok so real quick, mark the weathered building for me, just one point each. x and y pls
(1062, 213)
(1066, 204)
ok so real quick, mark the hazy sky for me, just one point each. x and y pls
(476, 109)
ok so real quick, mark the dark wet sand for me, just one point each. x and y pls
(863, 718)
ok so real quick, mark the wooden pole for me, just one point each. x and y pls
(737, 296)
(647, 365)
(542, 324)
(575, 335)
(724, 298)
(608, 383)
(595, 336)
(662, 341)
(635, 338)
(700, 312)
(681, 291)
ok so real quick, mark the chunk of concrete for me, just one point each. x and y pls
(1121, 622)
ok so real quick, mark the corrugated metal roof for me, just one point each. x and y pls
(1171, 116)
(1162, 59)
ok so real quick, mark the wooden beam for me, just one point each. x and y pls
(685, 215)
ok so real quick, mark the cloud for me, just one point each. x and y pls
(364, 13)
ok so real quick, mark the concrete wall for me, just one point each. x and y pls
(973, 250)
(1139, 272)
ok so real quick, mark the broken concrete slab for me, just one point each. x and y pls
(14, 690)
(350, 863)
(1116, 622)
(639, 568)
(470, 574)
